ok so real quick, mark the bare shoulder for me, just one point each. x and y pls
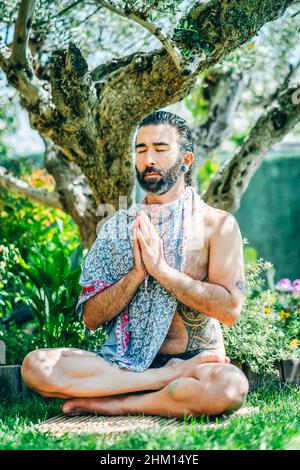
(218, 220)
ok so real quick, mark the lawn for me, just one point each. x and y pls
(275, 426)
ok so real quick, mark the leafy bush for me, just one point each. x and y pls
(257, 339)
(284, 307)
(50, 288)
(39, 268)
(25, 223)
(53, 295)
(19, 341)
(10, 279)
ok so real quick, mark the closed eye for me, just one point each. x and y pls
(143, 151)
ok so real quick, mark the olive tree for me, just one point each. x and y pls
(86, 114)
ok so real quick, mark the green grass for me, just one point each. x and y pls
(275, 426)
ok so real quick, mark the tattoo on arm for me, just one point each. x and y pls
(240, 285)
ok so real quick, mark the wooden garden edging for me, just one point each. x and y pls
(290, 371)
(287, 372)
(10, 375)
(11, 383)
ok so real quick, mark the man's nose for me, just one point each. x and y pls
(149, 157)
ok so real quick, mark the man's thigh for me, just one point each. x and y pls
(46, 363)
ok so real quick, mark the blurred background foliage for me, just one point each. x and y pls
(40, 252)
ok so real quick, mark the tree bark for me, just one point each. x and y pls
(232, 180)
(222, 92)
(91, 115)
(75, 195)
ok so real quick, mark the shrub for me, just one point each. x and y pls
(50, 288)
(26, 223)
(11, 279)
(283, 305)
(53, 295)
(256, 339)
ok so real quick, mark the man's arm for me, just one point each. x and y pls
(222, 296)
(111, 301)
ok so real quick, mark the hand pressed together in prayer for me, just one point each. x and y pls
(148, 246)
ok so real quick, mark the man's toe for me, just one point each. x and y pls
(68, 407)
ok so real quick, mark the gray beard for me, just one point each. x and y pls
(162, 183)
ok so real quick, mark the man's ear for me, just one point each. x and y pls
(188, 158)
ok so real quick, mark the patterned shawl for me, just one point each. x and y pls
(136, 334)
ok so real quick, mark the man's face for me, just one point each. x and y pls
(157, 151)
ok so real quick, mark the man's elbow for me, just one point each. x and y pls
(232, 316)
(86, 320)
(230, 319)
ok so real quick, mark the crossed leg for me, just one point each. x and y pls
(206, 389)
(72, 372)
(204, 384)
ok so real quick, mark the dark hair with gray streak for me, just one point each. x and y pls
(186, 141)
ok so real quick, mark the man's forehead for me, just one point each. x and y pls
(157, 133)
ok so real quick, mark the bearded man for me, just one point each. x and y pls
(159, 278)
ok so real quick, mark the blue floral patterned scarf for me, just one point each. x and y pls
(136, 334)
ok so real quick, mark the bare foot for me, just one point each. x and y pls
(178, 366)
(174, 362)
(212, 356)
(173, 369)
(110, 406)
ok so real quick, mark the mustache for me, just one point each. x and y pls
(151, 171)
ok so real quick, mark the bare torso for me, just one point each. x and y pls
(186, 325)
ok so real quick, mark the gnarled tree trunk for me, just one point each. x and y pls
(87, 117)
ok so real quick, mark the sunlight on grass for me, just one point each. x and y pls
(275, 426)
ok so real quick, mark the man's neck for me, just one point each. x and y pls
(170, 196)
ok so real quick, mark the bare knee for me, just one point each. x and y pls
(37, 371)
(223, 388)
(236, 387)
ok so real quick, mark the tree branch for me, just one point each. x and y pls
(217, 28)
(18, 69)
(18, 186)
(75, 194)
(211, 29)
(93, 125)
(21, 34)
(286, 82)
(229, 184)
(140, 17)
(73, 90)
(222, 91)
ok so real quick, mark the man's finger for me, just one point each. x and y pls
(141, 238)
(154, 228)
(149, 224)
(134, 234)
(145, 217)
(144, 228)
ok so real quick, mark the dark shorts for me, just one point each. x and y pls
(161, 359)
